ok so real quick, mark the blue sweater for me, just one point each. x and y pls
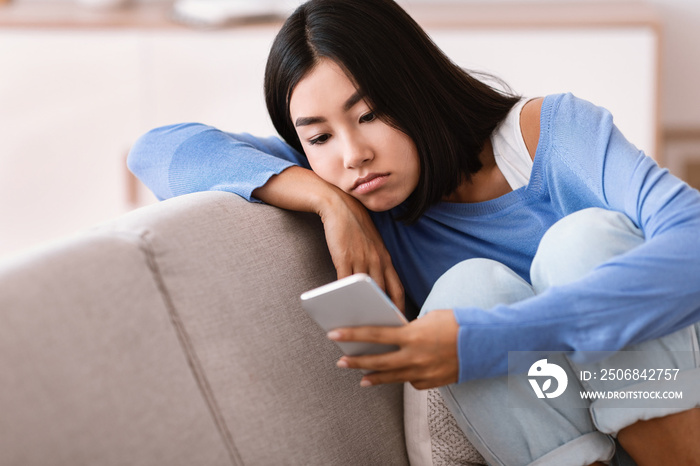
(582, 161)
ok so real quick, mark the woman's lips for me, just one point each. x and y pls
(370, 183)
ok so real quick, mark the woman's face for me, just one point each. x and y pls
(347, 145)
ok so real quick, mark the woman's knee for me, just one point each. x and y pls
(578, 243)
(480, 282)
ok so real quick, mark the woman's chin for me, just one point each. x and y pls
(378, 205)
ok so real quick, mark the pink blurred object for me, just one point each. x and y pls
(106, 4)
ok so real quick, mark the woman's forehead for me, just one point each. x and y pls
(325, 87)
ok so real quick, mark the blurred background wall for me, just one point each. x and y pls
(681, 62)
(81, 81)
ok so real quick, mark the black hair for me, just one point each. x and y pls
(403, 76)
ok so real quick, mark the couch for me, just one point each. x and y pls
(173, 335)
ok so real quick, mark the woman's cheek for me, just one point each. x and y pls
(325, 171)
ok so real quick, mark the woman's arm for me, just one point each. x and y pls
(353, 240)
(181, 159)
(646, 293)
(190, 157)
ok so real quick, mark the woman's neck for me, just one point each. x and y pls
(486, 184)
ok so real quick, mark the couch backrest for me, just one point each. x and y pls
(91, 372)
(226, 276)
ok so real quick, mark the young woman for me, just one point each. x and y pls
(516, 224)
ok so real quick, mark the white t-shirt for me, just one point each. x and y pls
(512, 156)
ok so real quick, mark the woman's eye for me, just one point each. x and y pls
(367, 117)
(320, 139)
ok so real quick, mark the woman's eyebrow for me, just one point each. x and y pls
(350, 103)
(305, 121)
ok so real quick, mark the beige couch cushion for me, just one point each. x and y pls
(232, 273)
(92, 372)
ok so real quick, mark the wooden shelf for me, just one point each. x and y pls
(463, 15)
(536, 14)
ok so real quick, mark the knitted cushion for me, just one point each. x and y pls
(432, 435)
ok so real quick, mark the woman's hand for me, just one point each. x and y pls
(427, 354)
(353, 240)
(356, 246)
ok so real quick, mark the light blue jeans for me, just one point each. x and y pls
(561, 434)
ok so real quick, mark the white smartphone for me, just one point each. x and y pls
(353, 301)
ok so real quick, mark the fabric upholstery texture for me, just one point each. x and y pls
(91, 370)
(174, 335)
(449, 444)
(233, 272)
(433, 437)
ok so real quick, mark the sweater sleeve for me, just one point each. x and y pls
(644, 294)
(184, 158)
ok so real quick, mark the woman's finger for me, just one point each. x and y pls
(385, 362)
(394, 376)
(420, 378)
(343, 269)
(377, 273)
(394, 288)
(383, 335)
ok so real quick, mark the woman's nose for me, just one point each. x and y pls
(356, 154)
